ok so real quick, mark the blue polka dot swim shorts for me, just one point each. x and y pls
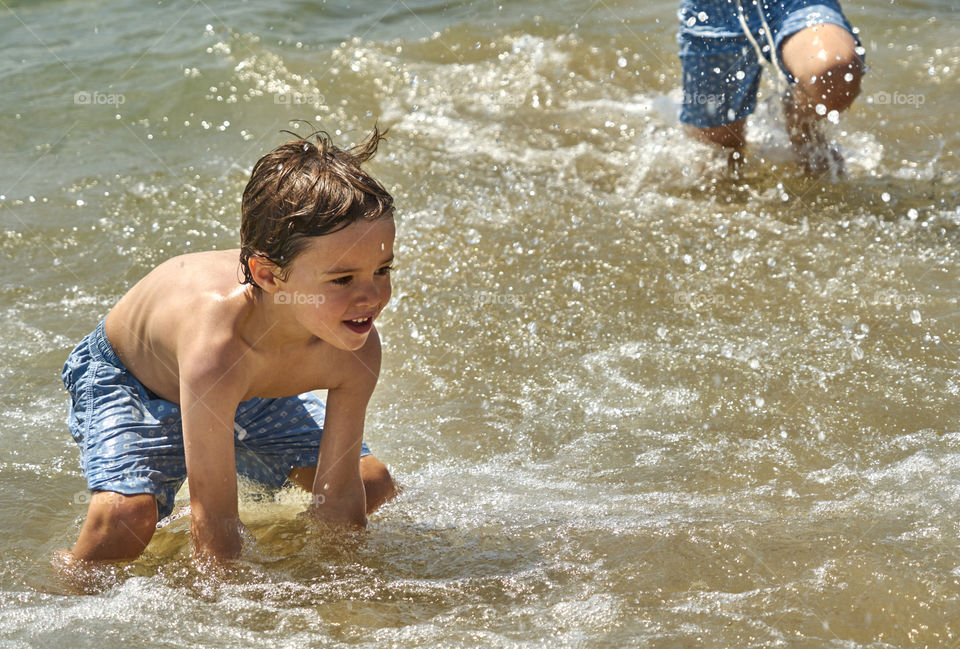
(131, 440)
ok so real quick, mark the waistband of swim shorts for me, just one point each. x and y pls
(101, 346)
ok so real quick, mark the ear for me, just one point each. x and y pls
(265, 273)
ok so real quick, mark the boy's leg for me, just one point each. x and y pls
(130, 442)
(729, 136)
(278, 440)
(377, 481)
(828, 70)
(720, 81)
(118, 527)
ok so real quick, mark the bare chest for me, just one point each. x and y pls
(289, 374)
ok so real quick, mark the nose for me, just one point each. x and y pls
(368, 294)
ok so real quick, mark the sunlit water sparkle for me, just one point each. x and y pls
(631, 401)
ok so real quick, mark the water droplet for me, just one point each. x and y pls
(912, 214)
(740, 75)
(915, 317)
(622, 62)
(80, 202)
(885, 196)
(848, 77)
(702, 16)
(833, 116)
(856, 353)
(821, 109)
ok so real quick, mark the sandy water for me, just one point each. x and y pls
(632, 402)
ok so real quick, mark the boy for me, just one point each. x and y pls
(815, 49)
(206, 366)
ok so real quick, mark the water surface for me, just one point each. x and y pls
(632, 401)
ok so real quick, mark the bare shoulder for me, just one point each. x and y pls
(181, 314)
(182, 267)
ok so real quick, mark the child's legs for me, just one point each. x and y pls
(720, 81)
(130, 442)
(731, 135)
(117, 527)
(279, 440)
(827, 69)
(377, 481)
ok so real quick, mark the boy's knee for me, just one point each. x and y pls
(126, 523)
(826, 65)
(837, 85)
(377, 482)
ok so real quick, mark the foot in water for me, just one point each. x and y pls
(816, 154)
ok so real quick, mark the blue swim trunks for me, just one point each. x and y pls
(721, 71)
(131, 440)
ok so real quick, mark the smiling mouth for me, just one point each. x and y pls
(359, 325)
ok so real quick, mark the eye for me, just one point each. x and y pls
(343, 281)
(386, 270)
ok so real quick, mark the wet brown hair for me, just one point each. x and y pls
(306, 187)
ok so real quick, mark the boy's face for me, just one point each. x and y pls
(340, 283)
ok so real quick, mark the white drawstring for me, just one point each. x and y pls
(781, 76)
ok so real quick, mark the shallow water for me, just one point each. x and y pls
(632, 402)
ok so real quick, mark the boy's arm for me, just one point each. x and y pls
(208, 404)
(337, 489)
